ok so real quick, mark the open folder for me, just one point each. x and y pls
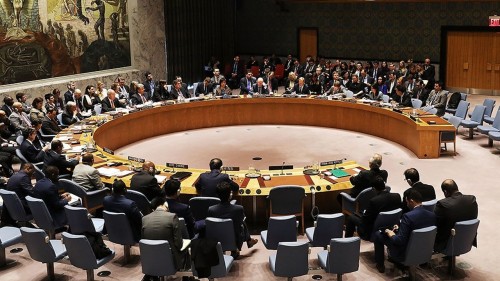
(339, 173)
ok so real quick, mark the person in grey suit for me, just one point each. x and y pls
(86, 175)
(163, 225)
(19, 120)
(207, 184)
(438, 98)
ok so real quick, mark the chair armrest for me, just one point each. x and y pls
(346, 196)
(348, 203)
(93, 192)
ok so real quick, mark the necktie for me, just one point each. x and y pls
(249, 85)
(143, 99)
(300, 89)
(269, 85)
(204, 89)
(112, 103)
(25, 119)
(235, 68)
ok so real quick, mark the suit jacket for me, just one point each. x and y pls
(163, 225)
(438, 100)
(216, 80)
(365, 179)
(304, 91)
(84, 103)
(429, 74)
(123, 94)
(421, 94)
(182, 211)
(404, 100)
(68, 96)
(31, 152)
(20, 183)
(202, 89)
(393, 92)
(46, 190)
(207, 184)
(261, 91)
(274, 83)
(236, 213)
(244, 85)
(69, 119)
(356, 87)
(450, 210)
(106, 104)
(52, 158)
(384, 201)
(120, 204)
(299, 70)
(417, 218)
(174, 94)
(50, 126)
(18, 123)
(146, 184)
(426, 190)
(136, 99)
(149, 88)
(87, 176)
(8, 110)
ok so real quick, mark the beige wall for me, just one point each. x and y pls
(147, 40)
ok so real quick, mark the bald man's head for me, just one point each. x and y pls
(149, 167)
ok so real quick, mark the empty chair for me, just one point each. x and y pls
(349, 94)
(450, 136)
(91, 200)
(80, 221)
(291, 260)
(341, 257)
(463, 96)
(43, 250)
(199, 206)
(60, 120)
(279, 229)
(461, 240)
(430, 205)
(287, 200)
(98, 108)
(419, 249)
(81, 255)
(416, 103)
(356, 205)
(221, 230)
(255, 70)
(475, 120)
(14, 206)
(495, 127)
(385, 219)
(461, 112)
(221, 269)
(39, 174)
(119, 231)
(194, 89)
(156, 258)
(493, 136)
(141, 200)
(326, 228)
(46, 137)
(19, 139)
(8, 236)
(385, 98)
(489, 104)
(43, 218)
(20, 155)
(490, 119)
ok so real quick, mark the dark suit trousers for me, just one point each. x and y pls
(353, 222)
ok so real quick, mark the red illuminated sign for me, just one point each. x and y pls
(494, 21)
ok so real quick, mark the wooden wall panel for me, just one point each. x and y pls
(496, 69)
(459, 55)
(308, 43)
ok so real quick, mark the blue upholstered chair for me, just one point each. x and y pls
(460, 112)
(291, 260)
(199, 206)
(279, 229)
(430, 205)
(287, 200)
(80, 221)
(461, 240)
(220, 270)
(91, 200)
(14, 206)
(342, 256)
(416, 103)
(386, 219)
(156, 258)
(42, 217)
(489, 119)
(141, 200)
(221, 230)
(326, 227)
(356, 205)
(475, 120)
(119, 231)
(8, 236)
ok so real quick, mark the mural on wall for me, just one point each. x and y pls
(63, 37)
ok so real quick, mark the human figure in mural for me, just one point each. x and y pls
(122, 11)
(84, 39)
(114, 28)
(60, 33)
(71, 36)
(50, 29)
(79, 12)
(99, 24)
(39, 24)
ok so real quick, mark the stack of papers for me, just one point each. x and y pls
(160, 178)
(113, 172)
(76, 149)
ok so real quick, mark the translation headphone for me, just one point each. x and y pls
(410, 182)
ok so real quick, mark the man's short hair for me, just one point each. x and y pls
(414, 195)
(378, 183)
(401, 88)
(171, 187)
(375, 161)
(28, 132)
(215, 164)
(224, 191)
(51, 172)
(51, 110)
(87, 158)
(157, 201)
(412, 174)
(55, 144)
(119, 187)
(449, 186)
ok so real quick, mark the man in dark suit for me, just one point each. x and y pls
(70, 114)
(375, 72)
(365, 178)
(402, 97)
(123, 90)
(391, 84)
(382, 202)
(453, 208)
(47, 190)
(301, 88)
(297, 68)
(355, 85)
(172, 189)
(139, 97)
(288, 65)
(396, 238)
(8, 103)
(118, 203)
(178, 90)
(29, 150)
(111, 103)
(145, 181)
(207, 183)
(420, 92)
(54, 157)
(204, 88)
(429, 73)
(20, 183)
(226, 210)
(149, 86)
(259, 88)
(68, 96)
(427, 192)
(236, 73)
(246, 83)
(49, 123)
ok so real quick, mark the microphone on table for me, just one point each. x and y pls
(282, 167)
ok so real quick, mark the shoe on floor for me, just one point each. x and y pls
(380, 268)
(235, 254)
(252, 242)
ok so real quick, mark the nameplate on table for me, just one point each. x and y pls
(117, 115)
(332, 162)
(109, 151)
(230, 169)
(175, 165)
(136, 159)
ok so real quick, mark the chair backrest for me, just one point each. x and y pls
(279, 72)
(386, 219)
(59, 118)
(118, 227)
(194, 89)
(416, 103)
(343, 256)
(255, 71)
(461, 242)
(430, 205)
(489, 104)
(221, 230)
(199, 206)
(281, 229)
(364, 198)
(20, 155)
(432, 110)
(38, 245)
(496, 121)
(328, 226)
(79, 220)
(454, 99)
(72, 187)
(12, 202)
(79, 251)
(184, 230)
(39, 174)
(420, 246)
(385, 98)
(455, 121)
(349, 94)
(462, 108)
(478, 114)
(140, 199)
(286, 200)
(41, 214)
(20, 139)
(98, 108)
(463, 96)
(292, 259)
(220, 270)
(156, 258)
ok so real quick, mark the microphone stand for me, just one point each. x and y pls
(282, 168)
